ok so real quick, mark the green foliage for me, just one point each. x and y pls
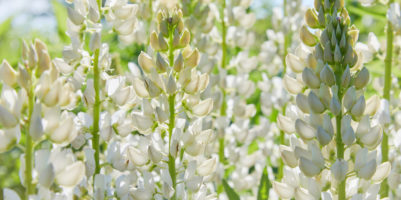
(232, 195)
(264, 186)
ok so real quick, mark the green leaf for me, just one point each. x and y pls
(60, 12)
(232, 195)
(5, 26)
(264, 186)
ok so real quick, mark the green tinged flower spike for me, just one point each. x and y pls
(333, 94)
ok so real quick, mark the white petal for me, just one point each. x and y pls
(71, 175)
(283, 190)
(382, 171)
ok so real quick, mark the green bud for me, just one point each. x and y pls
(163, 28)
(311, 18)
(179, 63)
(327, 5)
(349, 55)
(162, 42)
(307, 37)
(333, 39)
(161, 63)
(328, 54)
(362, 78)
(327, 75)
(321, 17)
(343, 41)
(319, 52)
(310, 79)
(337, 55)
(318, 5)
(346, 77)
(185, 39)
(154, 41)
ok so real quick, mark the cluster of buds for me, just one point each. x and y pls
(336, 125)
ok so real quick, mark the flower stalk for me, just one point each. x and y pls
(223, 66)
(386, 94)
(339, 142)
(29, 143)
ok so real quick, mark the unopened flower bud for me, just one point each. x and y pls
(368, 170)
(7, 74)
(362, 78)
(320, 16)
(283, 190)
(327, 75)
(359, 107)
(285, 124)
(311, 18)
(193, 59)
(307, 37)
(353, 35)
(302, 103)
(171, 85)
(95, 41)
(337, 54)
(327, 4)
(322, 136)
(93, 14)
(75, 16)
(203, 108)
(179, 63)
(154, 41)
(319, 53)
(335, 106)
(339, 169)
(314, 103)
(7, 119)
(305, 131)
(348, 136)
(154, 154)
(310, 79)
(162, 42)
(288, 156)
(308, 167)
(346, 77)
(328, 53)
(349, 98)
(294, 63)
(372, 105)
(152, 88)
(145, 62)
(292, 85)
(35, 125)
(185, 39)
(161, 63)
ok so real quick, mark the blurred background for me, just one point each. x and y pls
(46, 19)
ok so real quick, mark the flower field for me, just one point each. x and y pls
(201, 100)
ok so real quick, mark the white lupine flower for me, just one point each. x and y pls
(137, 157)
(7, 74)
(394, 15)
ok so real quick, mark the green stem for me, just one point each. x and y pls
(339, 142)
(96, 111)
(386, 94)
(171, 159)
(223, 107)
(96, 106)
(171, 103)
(29, 145)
